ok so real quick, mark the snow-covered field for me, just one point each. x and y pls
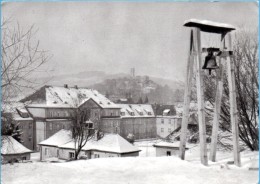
(134, 170)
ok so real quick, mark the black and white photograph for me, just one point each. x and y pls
(128, 92)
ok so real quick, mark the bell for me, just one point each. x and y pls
(210, 62)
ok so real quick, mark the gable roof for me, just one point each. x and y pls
(55, 96)
(59, 138)
(136, 110)
(10, 146)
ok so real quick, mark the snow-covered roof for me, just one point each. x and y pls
(74, 97)
(59, 138)
(169, 144)
(66, 97)
(109, 143)
(166, 111)
(11, 146)
(136, 110)
(209, 26)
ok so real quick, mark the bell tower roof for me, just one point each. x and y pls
(209, 26)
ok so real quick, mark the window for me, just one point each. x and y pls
(30, 125)
(168, 153)
(169, 121)
(57, 153)
(51, 114)
(162, 129)
(111, 114)
(23, 158)
(169, 130)
(96, 155)
(46, 151)
(63, 126)
(162, 121)
(30, 138)
(51, 126)
(71, 155)
(58, 126)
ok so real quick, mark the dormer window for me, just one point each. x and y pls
(132, 113)
(122, 113)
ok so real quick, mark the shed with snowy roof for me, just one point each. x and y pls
(13, 151)
(168, 148)
(62, 146)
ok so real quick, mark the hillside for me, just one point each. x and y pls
(139, 89)
(119, 85)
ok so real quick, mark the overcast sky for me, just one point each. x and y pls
(115, 36)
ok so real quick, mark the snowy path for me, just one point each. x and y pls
(135, 170)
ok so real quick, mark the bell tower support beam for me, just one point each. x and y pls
(200, 97)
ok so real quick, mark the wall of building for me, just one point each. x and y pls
(135, 154)
(110, 125)
(48, 152)
(110, 113)
(141, 127)
(26, 127)
(166, 124)
(39, 133)
(53, 126)
(19, 157)
(65, 153)
(99, 154)
(163, 151)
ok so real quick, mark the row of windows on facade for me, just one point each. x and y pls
(66, 114)
(71, 154)
(132, 113)
(169, 121)
(21, 127)
(58, 126)
(169, 130)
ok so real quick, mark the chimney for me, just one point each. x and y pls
(76, 86)
(65, 85)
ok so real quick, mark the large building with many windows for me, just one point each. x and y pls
(51, 109)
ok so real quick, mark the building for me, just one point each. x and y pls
(62, 146)
(168, 148)
(137, 119)
(13, 151)
(166, 124)
(52, 109)
(25, 125)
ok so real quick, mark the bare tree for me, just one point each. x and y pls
(21, 57)
(246, 77)
(82, 129)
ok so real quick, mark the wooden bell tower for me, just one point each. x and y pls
(223, 58)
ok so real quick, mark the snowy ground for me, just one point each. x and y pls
(134, 170)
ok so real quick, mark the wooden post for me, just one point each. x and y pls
(233, 104)
(200, 98)
(219, 91)
(187, 96)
